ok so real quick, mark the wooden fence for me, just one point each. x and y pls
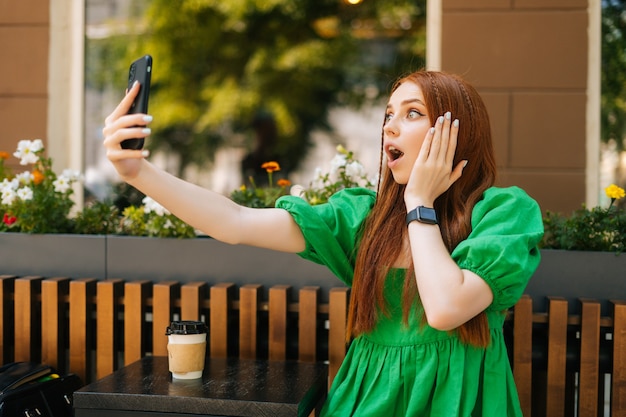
(563, 364)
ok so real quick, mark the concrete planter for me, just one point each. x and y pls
(567, 274)
(576, 274)
(155, 259)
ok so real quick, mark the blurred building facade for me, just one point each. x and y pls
(535, 62)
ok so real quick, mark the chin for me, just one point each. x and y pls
(400, 178)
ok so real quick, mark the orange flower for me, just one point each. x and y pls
(271, 166)
(38, 177)
(4, 155)
(283, 182)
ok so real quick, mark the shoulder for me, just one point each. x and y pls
(507, 200)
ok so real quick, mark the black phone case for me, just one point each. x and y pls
(140, 70)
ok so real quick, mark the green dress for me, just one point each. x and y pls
(415, 370)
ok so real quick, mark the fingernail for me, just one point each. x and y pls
(145, 153)
(431, 131)
(135, 83)
(146, 130)
(455, 123)
(465, 163)
(147, 118)
(440, 120)
(448, 115)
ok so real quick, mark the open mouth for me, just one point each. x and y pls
(394, 153)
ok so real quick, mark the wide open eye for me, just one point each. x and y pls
(413, 114)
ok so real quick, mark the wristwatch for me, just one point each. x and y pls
(422, 214)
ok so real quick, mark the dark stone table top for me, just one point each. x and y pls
(229, 387)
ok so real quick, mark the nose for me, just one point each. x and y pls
(390, 128)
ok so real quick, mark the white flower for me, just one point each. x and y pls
(25, 193)
(62, 184)
(71, 174)
(354, 170)
(24, 178)
(297, 190)
(168, 224)
(7, 196)
(151, 206)
(338, 162)
(27, 151)
(9, 184)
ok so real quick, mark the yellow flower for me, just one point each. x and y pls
(271, 166)
(283, 182)
(614, 192)
(243, 187)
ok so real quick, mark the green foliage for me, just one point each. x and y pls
(152, 219)
(345, 172)
(37, 200)
(613, 78)
(262, 196)
(595, 229)
(98, 218)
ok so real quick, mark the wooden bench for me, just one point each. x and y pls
(562, 363)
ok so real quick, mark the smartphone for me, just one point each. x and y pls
(140, 70)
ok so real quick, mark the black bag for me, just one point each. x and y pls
(29, 389)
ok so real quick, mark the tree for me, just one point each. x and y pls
(613, 113)
(266, 71)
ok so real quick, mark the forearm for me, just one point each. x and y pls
(210, 212)
(450, 296)
(217, 215)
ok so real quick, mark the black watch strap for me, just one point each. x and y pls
(423, 215)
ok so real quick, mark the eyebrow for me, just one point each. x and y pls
(409, 101)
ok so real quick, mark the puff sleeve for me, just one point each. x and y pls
(502, 248)
(332, 230)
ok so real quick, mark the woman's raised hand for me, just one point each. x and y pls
(433, 172)
(119, 126)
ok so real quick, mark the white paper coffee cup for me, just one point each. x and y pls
(186, 349)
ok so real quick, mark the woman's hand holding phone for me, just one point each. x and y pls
(120, 126)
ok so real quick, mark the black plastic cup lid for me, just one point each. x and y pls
(186, 327)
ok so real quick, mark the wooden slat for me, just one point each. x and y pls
(307, 324)
(278, 301)
(82, 292)
(522, 351)
(163, 296)
(221, 299)
(618, 379)
(136, 294)
(53, 321)
(248, 306)
(108, 294)
(557, 349)
(589, 359)
(192, 296)
(27, 319)
(7, 318)
(338, 318)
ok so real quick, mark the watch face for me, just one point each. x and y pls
(427, 215)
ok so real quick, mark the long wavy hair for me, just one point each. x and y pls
(386, 223)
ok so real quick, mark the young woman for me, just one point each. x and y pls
(434, 257)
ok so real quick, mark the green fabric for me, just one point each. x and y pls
(415, 370)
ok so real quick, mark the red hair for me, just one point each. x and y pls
(386, 223)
